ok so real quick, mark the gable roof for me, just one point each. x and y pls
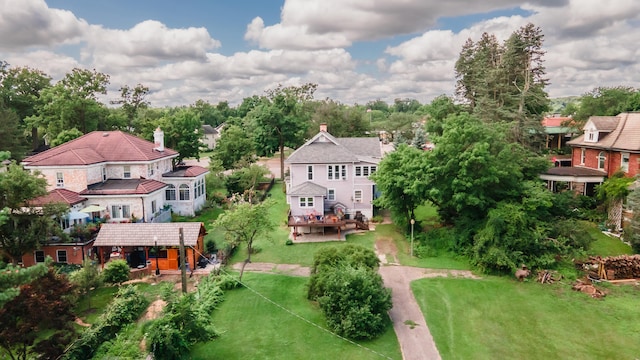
(308, 188)
(146, 234)
(97, 147)
(58, 196)
(208, 129)
(324, 148)
(124, 187)
(624, 136)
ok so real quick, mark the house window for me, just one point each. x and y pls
(373, 169)
(358, 171)
(357, 196)
(104, 173)
(202, 187)
(126, 172)
(170, 193)
(306, 202)
(601, 159)
(331, 194)
(59, 179)
(62, 256)
(150, 170)
(64, 223)
(624, 161)
(309, 172)
(583, 155)
(335, 172)
(126, 211)
(184, 192)
(154, 207)
(115, 211)
(364, 171)
(39, 256)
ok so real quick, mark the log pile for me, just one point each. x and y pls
(618, 267)
(548, 276)
(586, 287)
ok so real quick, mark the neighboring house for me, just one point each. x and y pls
(330, 175)
(151, 246)
(557, 131)
(211, 135)
(608, 144)
(123, 177)
(73, 251)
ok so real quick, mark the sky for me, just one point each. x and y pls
(356, 51)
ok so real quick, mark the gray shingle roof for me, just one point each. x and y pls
(325, 148)
(308, 189)
(625, 136)
(142, 234)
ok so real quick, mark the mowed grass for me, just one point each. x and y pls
(252, 327)
(604, 245)
(499, 318)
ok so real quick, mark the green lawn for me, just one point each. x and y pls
(252, 327)
(499, 318)
(604, 245)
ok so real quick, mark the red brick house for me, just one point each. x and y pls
(608, 144)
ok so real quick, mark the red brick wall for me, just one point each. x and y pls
(612, 162)
(73, 256)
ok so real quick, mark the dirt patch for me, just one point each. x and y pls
(154, 310)
(81, 323)
(386, 249)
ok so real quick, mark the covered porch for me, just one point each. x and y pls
(580, 180)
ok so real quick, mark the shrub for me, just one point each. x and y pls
(116, 272)
(211, 246)
(355, 302)
(125, 308)
(377, 219)
(288, 242)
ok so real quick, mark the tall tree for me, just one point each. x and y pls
(132, 100)
(279, 121)
(606, 101)
(402, 182)
(26, 225)
(12, 277)
(183, 131)
(11, 134)
(73, 103)
(234, 149)
(245, 223)
(341, 120)
(20, 89)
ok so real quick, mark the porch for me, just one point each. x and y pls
(327, 227)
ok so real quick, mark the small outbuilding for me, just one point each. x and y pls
(154, 246)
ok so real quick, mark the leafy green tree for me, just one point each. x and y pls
(65, 136)
(132, 100)
(72, 103)
(183, 131)
(605, 101)
(341, 120)
(27, 226)
(378, 105)
(473, 167)
(11, 134)
(20, 89)
(245, 223)
(244, 181)
(234, 149)
(42, 306)
(401, 179)
(438, 110)
(632, 233)
(87, 278)
(279, 121)
(116, 272)
(208, 113)
(406, 105)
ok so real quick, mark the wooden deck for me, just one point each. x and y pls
(323, 222)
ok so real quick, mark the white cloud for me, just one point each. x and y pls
(28, 23)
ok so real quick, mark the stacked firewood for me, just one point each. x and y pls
(548, 276)
(620, 267)
(585, 286)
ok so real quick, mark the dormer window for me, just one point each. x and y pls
(591, 135)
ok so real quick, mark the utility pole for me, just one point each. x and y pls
(183, 263)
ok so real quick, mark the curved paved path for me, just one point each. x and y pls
(415, 343)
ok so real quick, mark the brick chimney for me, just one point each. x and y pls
(158, 139)
(323, 127)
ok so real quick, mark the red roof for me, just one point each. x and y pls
(100, 146)
(187, 171)
(555, 121)
(124, 187)
(58, 196)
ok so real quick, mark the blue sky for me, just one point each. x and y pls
(355, 50)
